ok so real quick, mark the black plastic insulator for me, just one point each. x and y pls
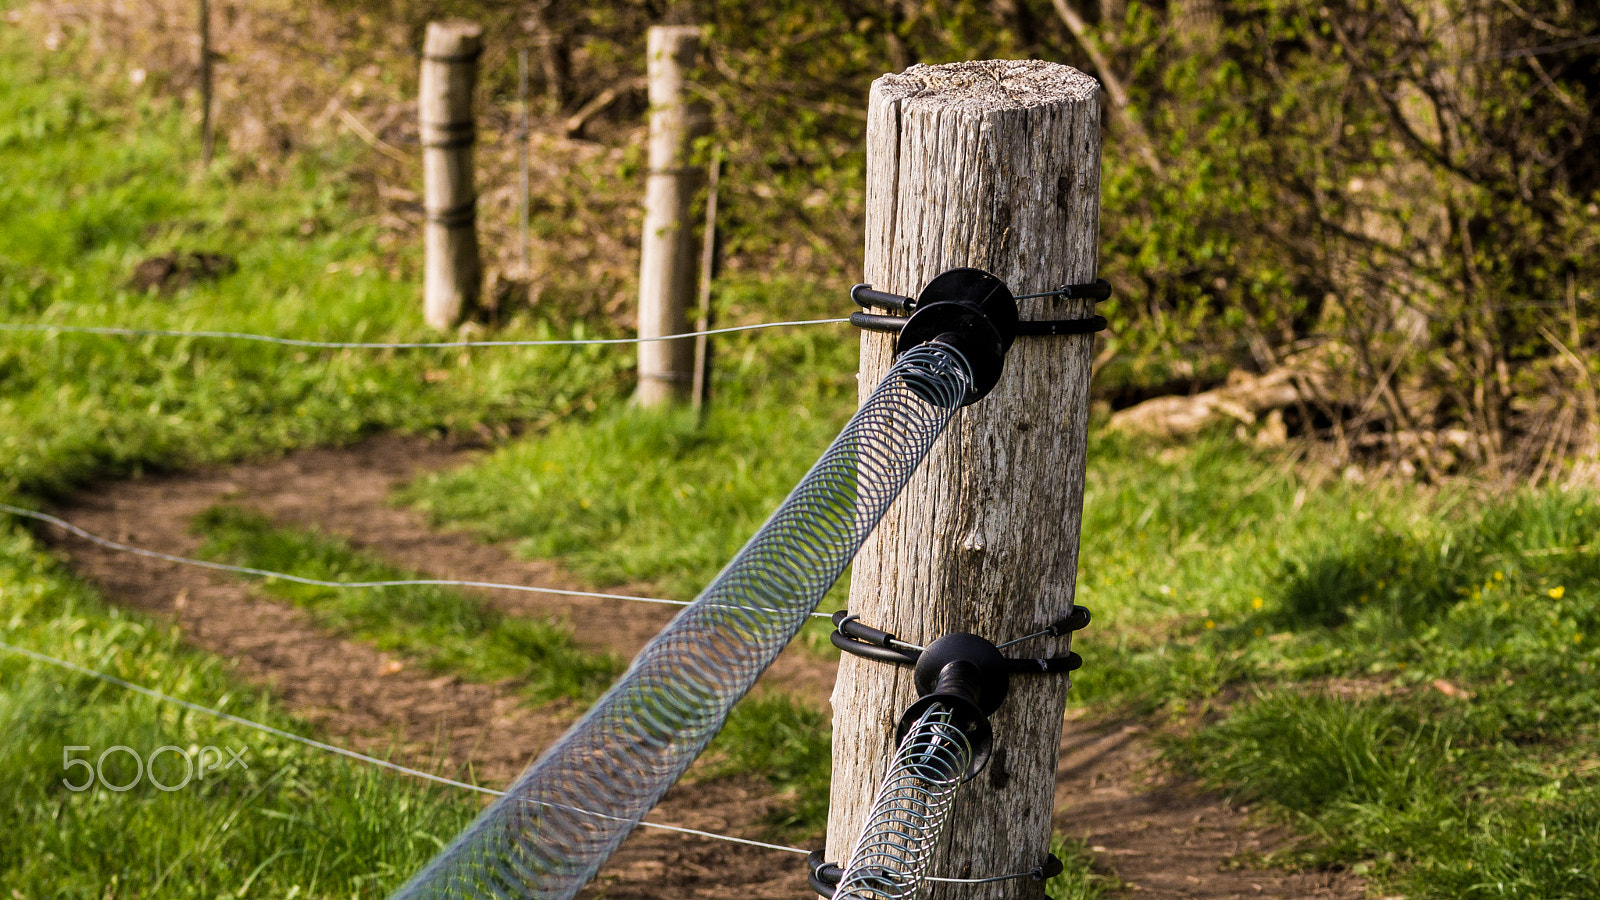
(866, 298)
(1077, 620)
(971, 311)
(823, 875)
(857, 638)
(861, 631)
(984, 680)
(970, 676)
(875, 322)
(1051, 868)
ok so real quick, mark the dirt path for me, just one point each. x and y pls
(1162, 839)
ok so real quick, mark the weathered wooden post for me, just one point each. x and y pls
(452, 272)
(667, 257)
(991, 164)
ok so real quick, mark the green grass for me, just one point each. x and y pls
(296, 823)
(772, 736)
(446, 629)
(100, 176)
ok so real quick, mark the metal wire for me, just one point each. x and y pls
(891, 859)
(388, 345)
(626, 751)
(332, 748)
(318, 582)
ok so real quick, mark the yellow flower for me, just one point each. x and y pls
(1577, 638)
(1210, 624)
(1557, 591)
(1256, 603)
(1499, 576)
(1260, 632)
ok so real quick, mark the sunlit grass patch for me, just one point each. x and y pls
(287, 820)
(448, 629)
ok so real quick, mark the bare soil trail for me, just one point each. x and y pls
(1161, 837)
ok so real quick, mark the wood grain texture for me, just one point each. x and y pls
(994, 164)
(667, 257)
(452, 272)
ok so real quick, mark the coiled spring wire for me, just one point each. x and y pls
(567, 813)
(910, 812)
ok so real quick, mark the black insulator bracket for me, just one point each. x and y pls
(857, 638)
(825, 876)
(979, 296)
(968, 675)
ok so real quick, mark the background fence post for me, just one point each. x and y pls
(667, 257)
(994, 165)
(452, 271)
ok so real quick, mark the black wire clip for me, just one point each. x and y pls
(962, 286)
(824, 876)
(963, 671)
(857, 638)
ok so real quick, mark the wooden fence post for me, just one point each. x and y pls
(452, 272)
(992, 164)
(667, 257)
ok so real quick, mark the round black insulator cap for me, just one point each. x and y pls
(989, 675)
(978, 288)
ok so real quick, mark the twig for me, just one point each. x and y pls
(365, 133)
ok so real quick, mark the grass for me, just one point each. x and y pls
(444, 628)
(295, 823)
(99, 177)
(767, 735)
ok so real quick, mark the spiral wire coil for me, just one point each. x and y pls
(567, 813)
(908, 817)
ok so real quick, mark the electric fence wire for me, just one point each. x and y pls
(387, 345)
(640, 737)
(45, 658)
(318, 582)
(333, 748)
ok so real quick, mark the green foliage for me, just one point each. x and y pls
(450, 631)
(1078, 879)
(296, 822)
(89, 194)
(1415, 794)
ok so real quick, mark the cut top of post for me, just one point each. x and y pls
(453, 41)
(986, 84)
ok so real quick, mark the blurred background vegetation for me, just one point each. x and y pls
(1392, 203)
